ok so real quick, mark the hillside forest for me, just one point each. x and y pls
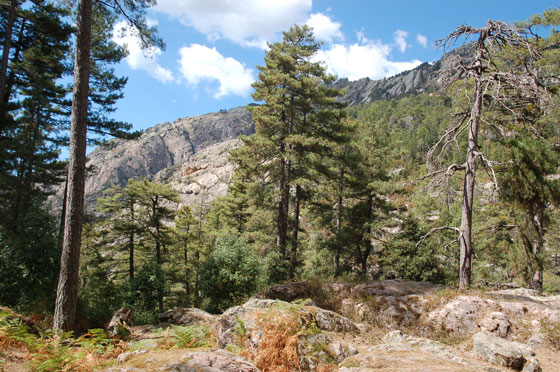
(457, 185)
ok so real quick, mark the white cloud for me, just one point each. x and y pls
(422, 40)
(245, 22)
(324, 28)
(400, 39)
(367, 59)
(200, 63)
(146, 60)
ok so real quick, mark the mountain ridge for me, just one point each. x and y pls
(166, 151)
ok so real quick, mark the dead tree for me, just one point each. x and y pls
(490, 84)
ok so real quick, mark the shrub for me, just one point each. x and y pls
(230, 274)
(142, 293)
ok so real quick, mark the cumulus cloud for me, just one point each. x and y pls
(364, 59)
(422, 40)
(139, 59)
(200, 63)
(245, 22)
(324, 28)
(400, 39)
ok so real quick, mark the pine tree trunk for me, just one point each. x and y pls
(6, 55)
(131, 243)
(466, 249)
(283, 209)
(67, 291)
(538, 246)
(336, 261)
(10, 79)
(293, 258)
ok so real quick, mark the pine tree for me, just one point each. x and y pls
(121, 220)
(299, 117)
(67, 291)
(531, 190)
(155, 211)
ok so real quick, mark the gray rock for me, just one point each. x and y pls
(496, 323)
(124, 357)
(217, 361)
(330, 321)
(177, 368)
(187, 316)
(504, 353)
(174, 150)
(120, 323)
(461, 315)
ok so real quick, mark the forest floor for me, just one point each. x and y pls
(346, 327)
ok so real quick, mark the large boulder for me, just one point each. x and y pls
(399, 352)
(216, 361)
(505, 353)
(462, 314)
(286, 334)
(120, 323)
(496, 323)
(187, 316)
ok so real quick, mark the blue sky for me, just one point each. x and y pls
(214, 46)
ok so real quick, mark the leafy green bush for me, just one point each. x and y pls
(402, 259)
(230, 274)
(142, 293)
(99, 298)
(29, 262)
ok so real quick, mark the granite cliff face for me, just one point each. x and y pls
(423, 78)
(191, 154)
(187, 151)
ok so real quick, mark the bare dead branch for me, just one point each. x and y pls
(441, 228)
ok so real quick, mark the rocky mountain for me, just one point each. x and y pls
(191, 153)
(421, 79)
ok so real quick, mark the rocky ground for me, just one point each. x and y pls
(376, 326)
(379, 326)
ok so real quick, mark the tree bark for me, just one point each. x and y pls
(336, 261)
(538, 246)
(293, 258)
(466, 249)
(67, 291)
(283, 207)
(6, 56)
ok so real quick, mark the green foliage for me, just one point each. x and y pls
(552, 332)
(99, 298)
(402, 258)
(230, 274)
(143, 292)
(190, 337)
(29, 261)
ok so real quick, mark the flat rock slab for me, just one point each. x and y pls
(513, 355)
(403, 353)
(216, 361)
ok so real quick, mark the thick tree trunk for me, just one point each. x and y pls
(10, 79)
(6, 55)
(131, 256)
(466, 249)
(293, 258)
(67, 291)
(283, 209)
(63, 214)
(131, 244)
(538, 246)
(187, 272)
(336, 261)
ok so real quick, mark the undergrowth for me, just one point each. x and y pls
(190, 337)
(552, 332)
(53, 352)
